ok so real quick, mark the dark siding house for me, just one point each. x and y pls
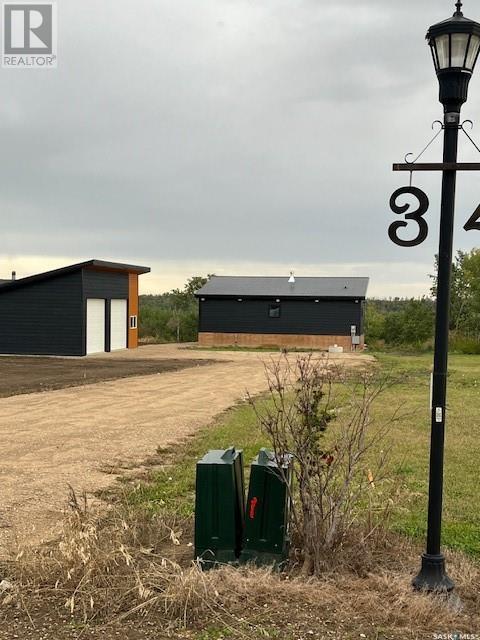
(91, 307)
(284, 312)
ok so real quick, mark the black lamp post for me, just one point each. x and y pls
(455, 46)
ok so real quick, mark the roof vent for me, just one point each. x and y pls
(291, 280)
(14, 275)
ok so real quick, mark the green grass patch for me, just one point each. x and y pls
(255, 349)
(174, 486)
(411, 444)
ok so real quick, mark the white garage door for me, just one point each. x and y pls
(95, 325)
(118, 330)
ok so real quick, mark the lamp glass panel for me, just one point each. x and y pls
(473, 52)
(443, 51)
(434, 55)
(459, 48)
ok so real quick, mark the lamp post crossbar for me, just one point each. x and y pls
(437, 166)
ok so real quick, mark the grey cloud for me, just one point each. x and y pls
(221, 130)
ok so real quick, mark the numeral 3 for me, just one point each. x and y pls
(416, 216)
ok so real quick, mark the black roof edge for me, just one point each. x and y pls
(279, 296)
(93, 264)
(118, 266)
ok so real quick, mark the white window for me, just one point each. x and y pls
(133, 322)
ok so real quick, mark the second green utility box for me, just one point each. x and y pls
(266, 539)
(219, 507)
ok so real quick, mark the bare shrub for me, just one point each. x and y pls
(322, 415)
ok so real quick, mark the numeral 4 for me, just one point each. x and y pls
(473, 223)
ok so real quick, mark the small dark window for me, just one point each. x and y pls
(274, 311)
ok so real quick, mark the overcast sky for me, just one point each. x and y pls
(227, 136)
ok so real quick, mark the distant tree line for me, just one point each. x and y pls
(171, 316)
(409, 323)
(400, 323)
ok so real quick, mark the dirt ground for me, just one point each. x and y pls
(29, 375)
(88, 435)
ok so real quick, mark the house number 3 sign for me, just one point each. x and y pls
(413, 218)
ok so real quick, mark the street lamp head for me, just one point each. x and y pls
(455, 46)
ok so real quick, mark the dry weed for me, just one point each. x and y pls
(127, 565)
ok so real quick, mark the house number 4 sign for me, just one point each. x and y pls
(473, 223)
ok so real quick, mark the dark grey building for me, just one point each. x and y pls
(90, 307)
(284, 312)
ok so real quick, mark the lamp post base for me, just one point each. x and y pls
(432, 576)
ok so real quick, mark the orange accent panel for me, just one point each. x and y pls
(285, 341)
(132, 309)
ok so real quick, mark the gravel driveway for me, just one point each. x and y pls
(71, 436)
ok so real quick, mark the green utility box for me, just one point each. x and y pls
(266, 539)
(219, 507)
